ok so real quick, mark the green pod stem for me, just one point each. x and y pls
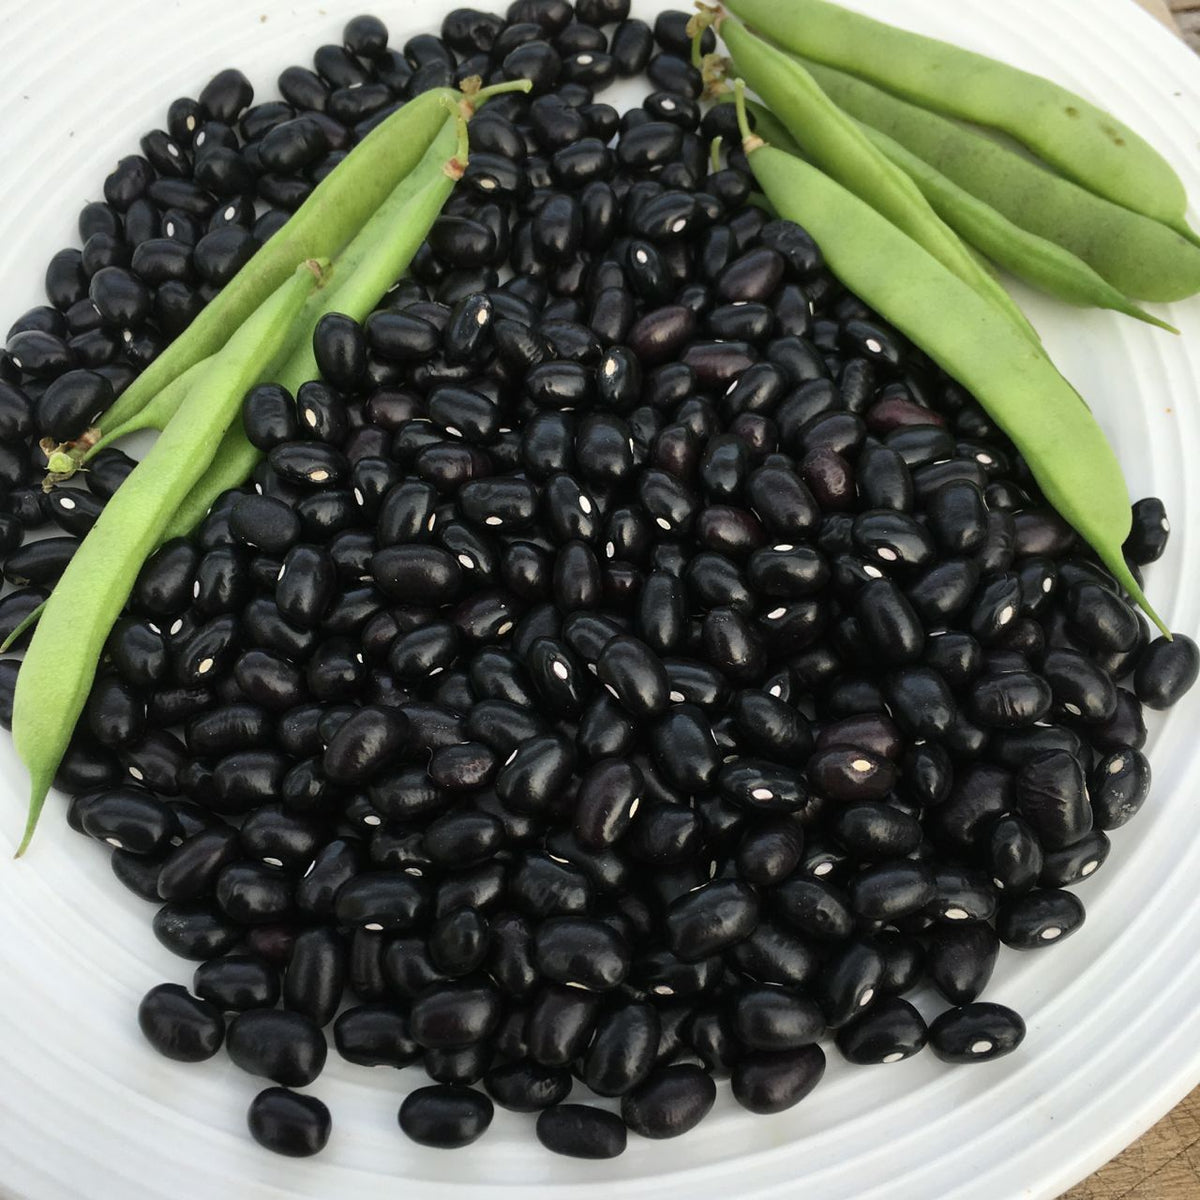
(1140, 257)
(1082, 141)
(319, 228)
(766, 124)
(835, 144)
(1037, 260)
(381, 251)
(27, 623)
(971, 341)
(60, 664)
(380, 254)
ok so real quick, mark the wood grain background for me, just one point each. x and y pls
(1164, 1164)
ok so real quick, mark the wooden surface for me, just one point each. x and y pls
(1162, 1165)
(1165, 1163)
(1187, 16)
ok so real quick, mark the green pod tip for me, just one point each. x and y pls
(1114, 560)
(37, 801)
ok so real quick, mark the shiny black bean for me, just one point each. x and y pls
(960, 959)
(445, 1116)
(190, 870)
(581, 1131)
(129, 819)
(375, 1035)
(1039, 918)
(1148, 537)
(454, 1014)
(289, 1123)
(1119, 786)
(1010, 701)
(580, 952)
(376, 900)
(1071, 865)
(976, 1032)
(180, 1026)
(1051, 794)
(237, 983)
(316, 975)
(283, 1046)
(195, 931)
(523, 1086)
(71, 403)
(417, 574)
(1166, 671)
(773, 1082)
(710, 919)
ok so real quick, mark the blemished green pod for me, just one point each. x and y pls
(973, 342)
(1081, 140)
(1140, 257)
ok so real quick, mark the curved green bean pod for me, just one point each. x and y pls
(1083, 141)
(380, 253)
(1037, 260)
(1140, 257)
(835, 144)
(60, 664)
(971, 341)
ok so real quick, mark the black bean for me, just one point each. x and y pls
(976, 1032)
(289, 1123)
(1120, 785)
(286, 1047)
(1039, 918)
(1166, 671)
(580, 1131)
(237, 983)
(773, 1082)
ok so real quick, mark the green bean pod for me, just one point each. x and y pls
(1037, 260)
(835, 144)
(379, 254)
(60, 664)
(1083, 141)
(1140, 257)
(971, 341)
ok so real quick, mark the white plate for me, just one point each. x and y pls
(87, 1110)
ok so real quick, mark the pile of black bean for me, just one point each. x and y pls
(631, 662)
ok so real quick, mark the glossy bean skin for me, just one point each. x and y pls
(771, 1083)
(180, 1026)
(889, 1032)
(289, 1123)
(580, 1131)
(671, 1101)
(285, 1047)
(977, 1032)
(445, 1116)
